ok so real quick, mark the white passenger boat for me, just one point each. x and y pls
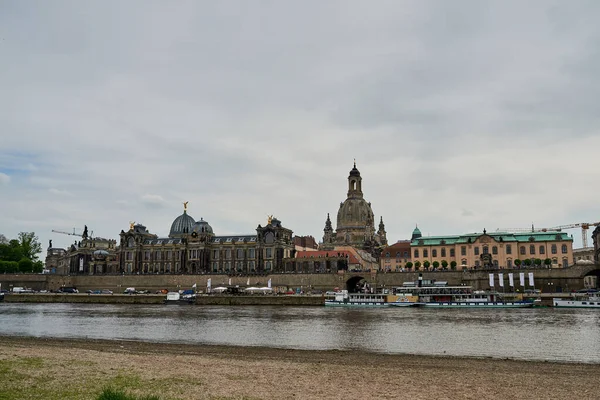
(442, 296)
(578, 301)
(345, 299)
(177, 298)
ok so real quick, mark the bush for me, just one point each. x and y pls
(25, 265)
(453, 265)
(9, 267)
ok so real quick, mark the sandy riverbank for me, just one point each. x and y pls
(77, 369)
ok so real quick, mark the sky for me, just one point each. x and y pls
(462, 115)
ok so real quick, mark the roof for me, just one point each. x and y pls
(324, 254)
(499, 237)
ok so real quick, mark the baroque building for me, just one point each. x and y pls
(596, 240)
(193, 248)
(355, 222)
(492, 250)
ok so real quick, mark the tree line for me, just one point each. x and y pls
(20, 255)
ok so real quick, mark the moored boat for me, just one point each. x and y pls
(578, 301)
(442, 296)
(177, 298)
(345, 299)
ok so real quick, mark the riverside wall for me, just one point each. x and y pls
(547, 280)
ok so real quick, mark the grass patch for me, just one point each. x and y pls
(112, 394)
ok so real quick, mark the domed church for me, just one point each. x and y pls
(355, 221)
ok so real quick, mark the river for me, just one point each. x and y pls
(571, 335)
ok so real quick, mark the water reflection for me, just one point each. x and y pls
(531, 334)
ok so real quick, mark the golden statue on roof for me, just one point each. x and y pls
(185, 203)
(131, 224)
(269, 219)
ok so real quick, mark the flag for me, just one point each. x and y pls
(194, 286)
(511, 280)
(269, 283)
(229, 281)
(208, 282)
(522, 278)
(501, 280)
(531, 279)
(491, 280)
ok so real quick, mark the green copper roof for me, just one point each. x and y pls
(499, 237)
(416, 230)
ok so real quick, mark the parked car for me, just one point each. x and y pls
(68, 290)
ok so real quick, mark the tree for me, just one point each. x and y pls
(537, 262)
(11, 251)
(30, 244)
(38, 267)
(452, 265)
(3, 239)
(527, 262)
(518, 262)
(547, 262)
(409, 265)
(25, 265)
(417, 265)
(436, 265)
(444, 264)
(426, 265)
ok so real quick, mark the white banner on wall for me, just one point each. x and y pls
(501, 280)
(522, 278)
(531, 279)
(511, 280)
(208, 283)
(491, 280)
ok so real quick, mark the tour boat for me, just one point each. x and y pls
(345, 299)
(442, 296)
(578, 301)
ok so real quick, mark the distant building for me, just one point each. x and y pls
(584, 254)
(305, 243)
(494, 250)
(394, 258)
(191, 248)
(355, 222)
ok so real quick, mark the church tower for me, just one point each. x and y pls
(329, 235)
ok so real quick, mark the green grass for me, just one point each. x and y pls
(112, 394)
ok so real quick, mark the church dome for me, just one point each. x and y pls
(202, 227)
(355, 212)
(354, 171)
(182, 225)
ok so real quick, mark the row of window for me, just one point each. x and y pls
(195, 254)
(486, 250)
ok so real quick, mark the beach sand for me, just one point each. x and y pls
(79, 369)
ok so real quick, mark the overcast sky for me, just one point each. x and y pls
(462, 115)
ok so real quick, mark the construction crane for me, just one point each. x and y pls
(74, 233)
(583, 225)
(584, 228)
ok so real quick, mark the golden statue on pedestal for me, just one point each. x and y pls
(131, 224)
(185, 203)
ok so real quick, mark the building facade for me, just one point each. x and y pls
(493, 250)
(396, 257)
(193, 248)
(596, 241)
(355, 222)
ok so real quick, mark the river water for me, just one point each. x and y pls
(527, 334)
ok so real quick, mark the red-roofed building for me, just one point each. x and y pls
(395, 257)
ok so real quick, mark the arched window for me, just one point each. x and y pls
(542, 250)
(553, 249)
(486, 250)
(398, 255)
(532, 249)
(387, 255)
(564, 249)
(416, 253)
(434, 253)
(444, 252)
(495, 250)
(406, 254)
(522, 250)
(425, 253)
